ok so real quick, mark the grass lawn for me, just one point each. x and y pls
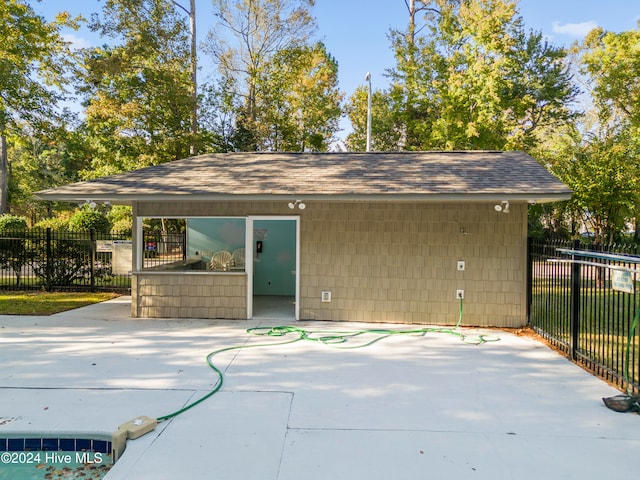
(47, 303)
(605, 320)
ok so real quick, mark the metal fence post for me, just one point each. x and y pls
(92, 259)
(184, 245)
(529, 278)
(575, 302)
(49, 265)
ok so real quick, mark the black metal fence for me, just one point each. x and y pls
(53, 260)
(583, 300)
(163, 248)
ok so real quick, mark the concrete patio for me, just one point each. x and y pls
(406, 407)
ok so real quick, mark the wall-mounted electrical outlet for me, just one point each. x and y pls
(326, 297)
(459, 294)
(460, 265)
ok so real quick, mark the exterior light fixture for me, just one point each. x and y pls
(502, 207)
(299, 203)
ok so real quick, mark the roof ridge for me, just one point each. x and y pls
(384, 152)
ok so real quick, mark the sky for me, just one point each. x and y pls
(355, 31)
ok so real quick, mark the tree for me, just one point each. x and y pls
(298, 101)
(37, 163)
(217, 114)
(138, 94)
(35, 65)
(249, 34)
(601, 167)
(408, 110)
(605, 179)
(601, 162)
(612, 62)
(476, 79)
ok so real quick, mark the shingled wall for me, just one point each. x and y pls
(381, 261)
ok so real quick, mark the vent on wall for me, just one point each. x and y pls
(326, 297)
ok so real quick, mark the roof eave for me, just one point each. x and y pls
(129, 199)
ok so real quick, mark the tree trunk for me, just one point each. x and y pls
(409, 106)
(4, 173)
(194, 72)
(411, 31)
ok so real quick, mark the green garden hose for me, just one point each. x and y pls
(336, 339)
(218, 372)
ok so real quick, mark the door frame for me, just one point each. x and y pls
(249, 253)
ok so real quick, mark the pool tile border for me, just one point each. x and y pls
(66, 444)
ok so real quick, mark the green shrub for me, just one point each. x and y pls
(12, 222)
(121, 219)
(89, 219)
(57, 224)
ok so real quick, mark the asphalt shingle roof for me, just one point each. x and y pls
(425, 175)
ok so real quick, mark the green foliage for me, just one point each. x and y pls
(467, 75)
(280, 91)
(138, 93)
(612, 62)
(164, 225)
(549, 221)
(603, 171)
(121, 219)
(55, 224)
(67, 262)
(35, 65)
(599, 158)
(12, 222)
(41, 161)
(472, 78)
(217, 108)
(88, 219)
(297, 101)
(535, 228)
(385, 134)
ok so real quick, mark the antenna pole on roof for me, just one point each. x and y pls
(368, 79)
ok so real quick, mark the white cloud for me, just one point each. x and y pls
(75, 41)
(574, 29)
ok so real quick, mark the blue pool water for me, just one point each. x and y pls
(54, 458)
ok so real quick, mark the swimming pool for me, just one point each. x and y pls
(50, 458)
